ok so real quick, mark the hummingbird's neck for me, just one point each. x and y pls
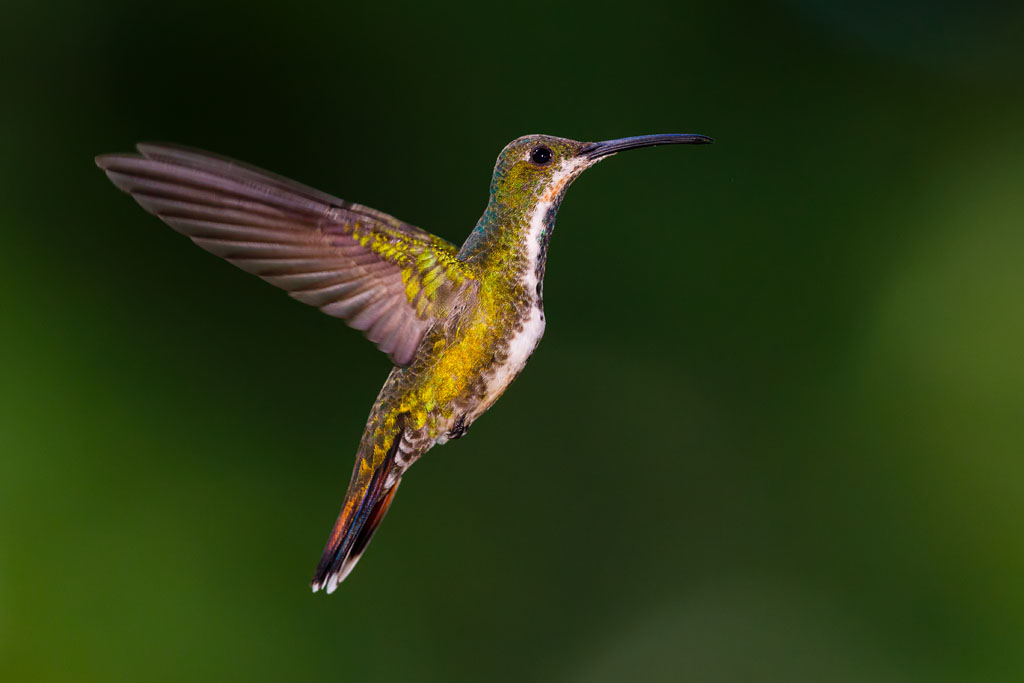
(511, 242)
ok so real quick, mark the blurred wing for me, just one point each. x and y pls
(382, 276)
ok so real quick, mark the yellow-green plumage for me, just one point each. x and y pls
(459, 324)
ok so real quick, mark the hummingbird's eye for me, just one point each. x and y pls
(541, 156)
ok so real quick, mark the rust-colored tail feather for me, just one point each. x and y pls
(366, 503)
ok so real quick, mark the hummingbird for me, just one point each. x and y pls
(458, 323)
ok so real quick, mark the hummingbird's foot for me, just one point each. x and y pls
(459, 428)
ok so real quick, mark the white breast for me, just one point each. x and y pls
(521, 346)
(524, 342)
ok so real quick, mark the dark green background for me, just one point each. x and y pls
(775, 431)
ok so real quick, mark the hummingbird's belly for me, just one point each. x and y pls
(445, 393)
(511, 360)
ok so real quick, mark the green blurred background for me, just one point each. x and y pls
(775, 431)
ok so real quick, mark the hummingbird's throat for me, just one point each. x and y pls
(562, 177)
(542, 220)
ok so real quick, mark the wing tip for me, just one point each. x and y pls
(105, 161)
(155, 151)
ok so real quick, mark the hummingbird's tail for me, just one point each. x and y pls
(369, 496)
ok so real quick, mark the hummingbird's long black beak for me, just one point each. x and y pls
(597, 150)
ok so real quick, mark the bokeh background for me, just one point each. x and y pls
(775, 431)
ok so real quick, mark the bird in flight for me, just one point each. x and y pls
(459, 323)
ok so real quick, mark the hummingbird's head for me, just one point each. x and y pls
(537, 169)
